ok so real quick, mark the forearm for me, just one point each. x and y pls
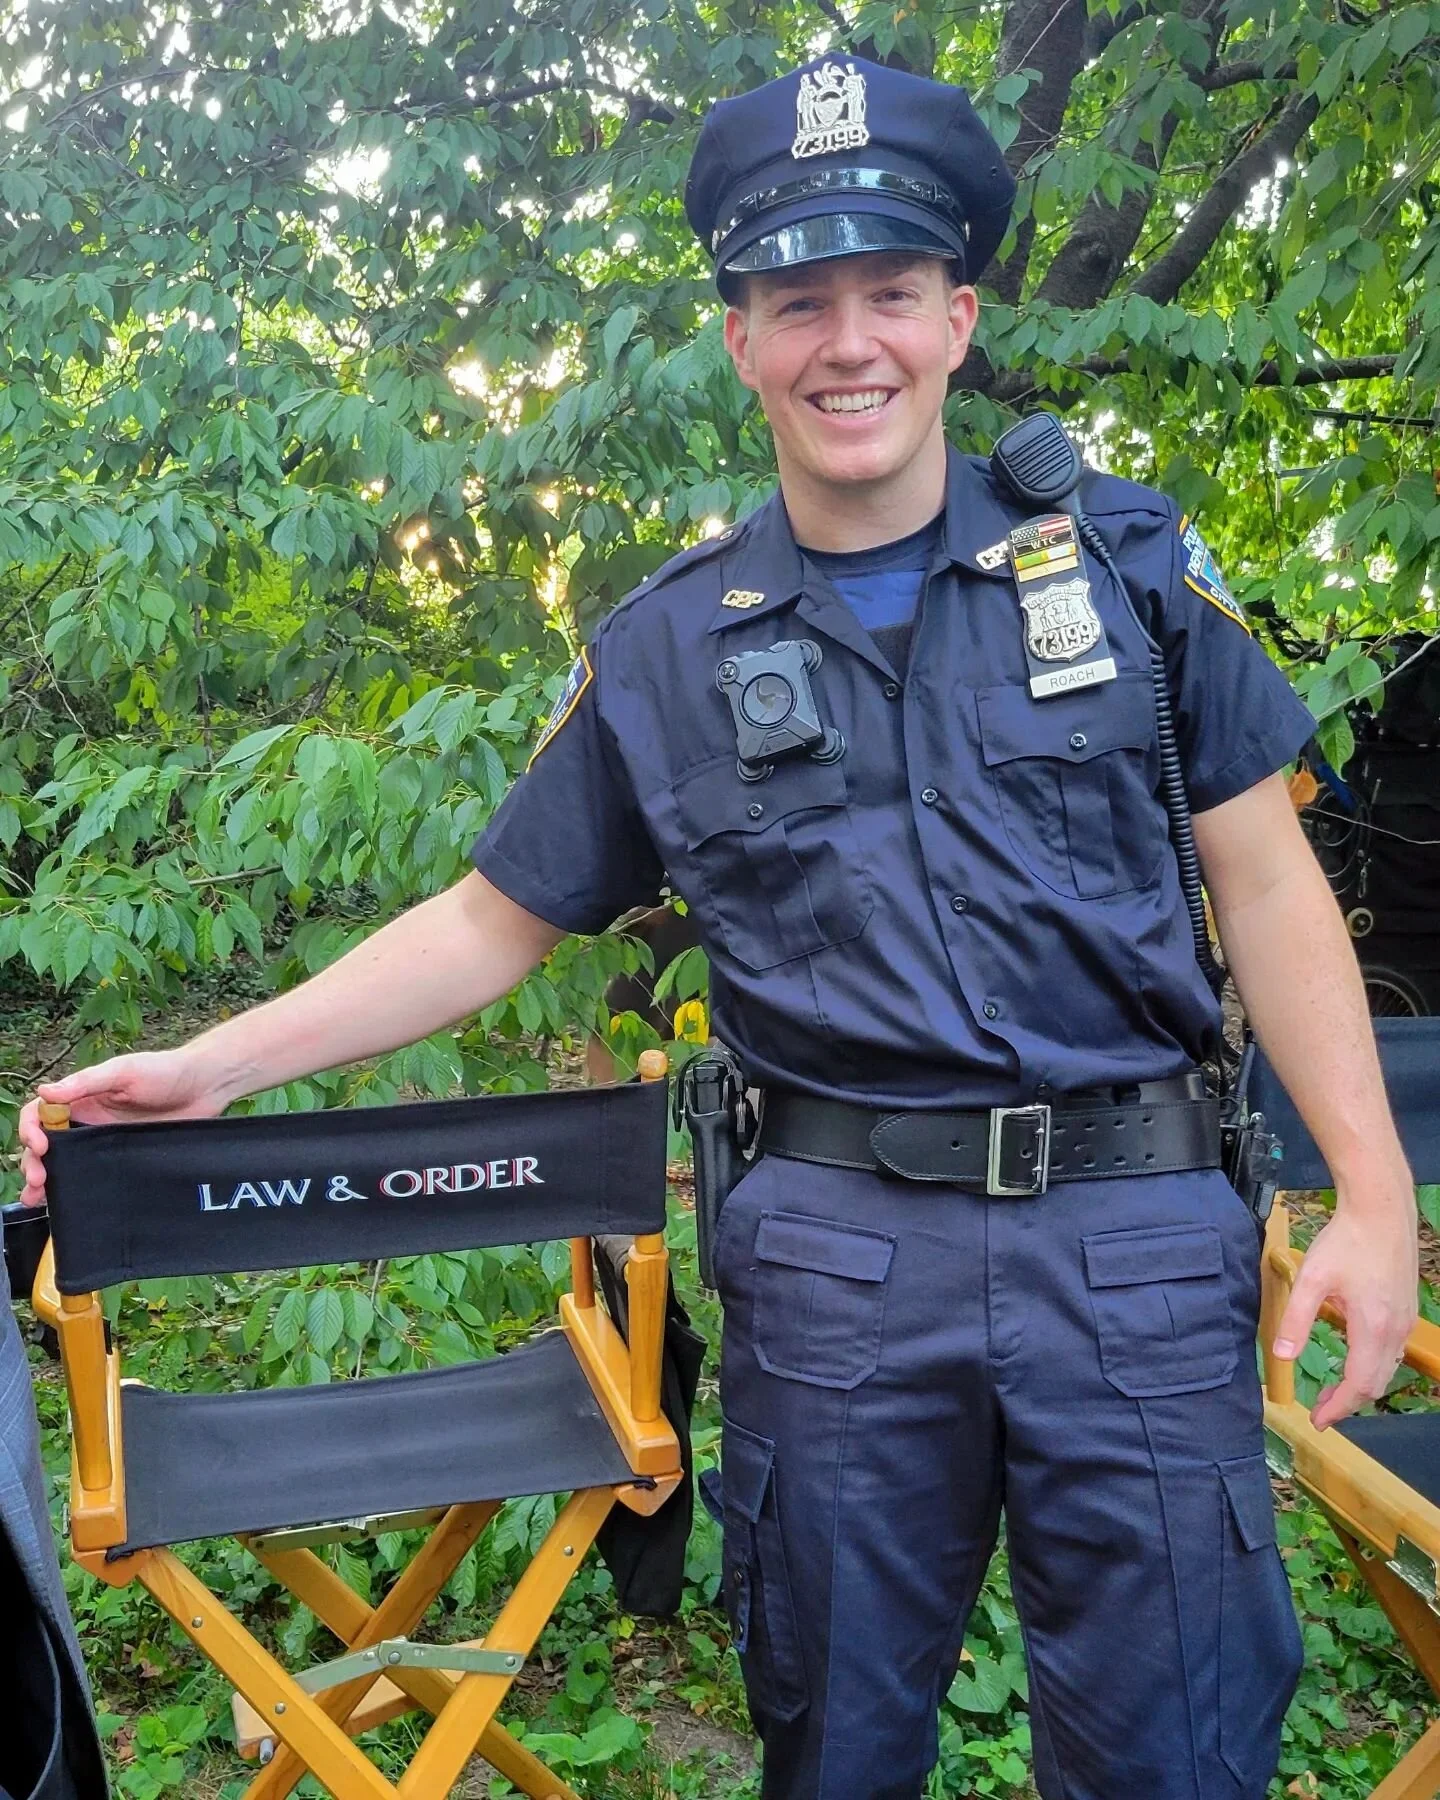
(1295, 970)
(440, 962)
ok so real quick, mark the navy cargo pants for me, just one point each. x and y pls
(902, 1361)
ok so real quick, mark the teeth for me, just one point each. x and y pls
(853, 402)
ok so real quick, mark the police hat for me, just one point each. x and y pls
(842, 157)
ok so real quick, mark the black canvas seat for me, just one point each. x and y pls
(577, 1412)
(1407, 1444)
(203, 1465)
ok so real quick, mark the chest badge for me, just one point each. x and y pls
(742, 597)
(1060, 622)
(1065, 645)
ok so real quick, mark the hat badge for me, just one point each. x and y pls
(830, 111)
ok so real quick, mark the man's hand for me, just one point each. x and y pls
(1365, 1263)
(127, 1090)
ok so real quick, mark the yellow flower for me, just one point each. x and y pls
(692, 1026)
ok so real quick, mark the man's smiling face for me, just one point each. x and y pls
(850, 358)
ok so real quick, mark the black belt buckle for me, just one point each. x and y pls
(1019, 1160)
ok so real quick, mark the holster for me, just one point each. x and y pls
(1250, 1155)
(710, 1098)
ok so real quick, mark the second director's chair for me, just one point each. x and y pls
(1376, 1477)
(285, 1470)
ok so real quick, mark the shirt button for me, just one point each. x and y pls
(1077, 740)
(990, 1010)
(891, 690)
(960, 903)
(928, 796)
(755, 810)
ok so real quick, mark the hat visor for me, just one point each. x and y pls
(828, 235)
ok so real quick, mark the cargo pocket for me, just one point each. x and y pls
(1162, 1309)
(758, 1596)
(1260, 1648)
(819, 1298)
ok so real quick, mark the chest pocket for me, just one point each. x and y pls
(1073, 779)
(779, 859)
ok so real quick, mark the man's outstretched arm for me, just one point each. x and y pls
(1287, 947)
(436, 964)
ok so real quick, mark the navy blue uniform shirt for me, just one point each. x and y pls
(978, 901)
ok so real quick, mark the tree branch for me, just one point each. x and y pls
(1231, 74)
(833, 13)
(1039, 35)
(1165, 277)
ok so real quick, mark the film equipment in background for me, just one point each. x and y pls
(1377, 835)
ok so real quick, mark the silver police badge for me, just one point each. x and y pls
(1060, 622)
(830, 111)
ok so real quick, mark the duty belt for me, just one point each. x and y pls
(1005, 1151)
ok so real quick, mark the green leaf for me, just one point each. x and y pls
(324, 1320)
(289, 1320)
(616, 333)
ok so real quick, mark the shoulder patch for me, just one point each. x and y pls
(576, 682)
(1202, 573)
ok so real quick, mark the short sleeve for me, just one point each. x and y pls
(568, 842)
(1236, 716)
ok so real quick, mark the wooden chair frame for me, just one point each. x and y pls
(1389, 1531)
(293, 1729)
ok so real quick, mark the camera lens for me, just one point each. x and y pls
(768, 700)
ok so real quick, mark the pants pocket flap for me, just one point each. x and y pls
(1126, 1258)
(745, 1470)
(1252, 1505)
(823, 1248)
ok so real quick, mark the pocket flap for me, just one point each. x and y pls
(713, 798)
(1125, 1258)
(1114, 715)
(745, 1464)
(1252, 1505)
(823, 1248)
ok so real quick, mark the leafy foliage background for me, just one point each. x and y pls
(354, 358)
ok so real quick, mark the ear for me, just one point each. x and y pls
(737, 342)
(964, 311)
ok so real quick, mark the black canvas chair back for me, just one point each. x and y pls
(1410, 1061)
(210, 1197)
(576, 1411)
(1376, 1476)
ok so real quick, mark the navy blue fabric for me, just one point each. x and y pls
(1410, 1059)
(898, 927)
(881, 586)
(900, 1365)
(753, 147)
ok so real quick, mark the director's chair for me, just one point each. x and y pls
(1375, 1477)
(286, 1470)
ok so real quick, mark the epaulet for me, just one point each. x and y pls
(1102, 495)
(685, 560)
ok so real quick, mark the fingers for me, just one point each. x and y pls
(33, 1145)
(1374, 1354)
(1298, 1320)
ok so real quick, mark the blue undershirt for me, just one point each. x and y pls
(882, 585)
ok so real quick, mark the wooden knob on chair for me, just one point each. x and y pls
(54, 1116)
(654, 1065)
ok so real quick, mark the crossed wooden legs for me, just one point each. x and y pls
(314, 1731)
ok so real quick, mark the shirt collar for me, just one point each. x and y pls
(768, 563)
(977, 519)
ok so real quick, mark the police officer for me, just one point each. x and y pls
(893, 739)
